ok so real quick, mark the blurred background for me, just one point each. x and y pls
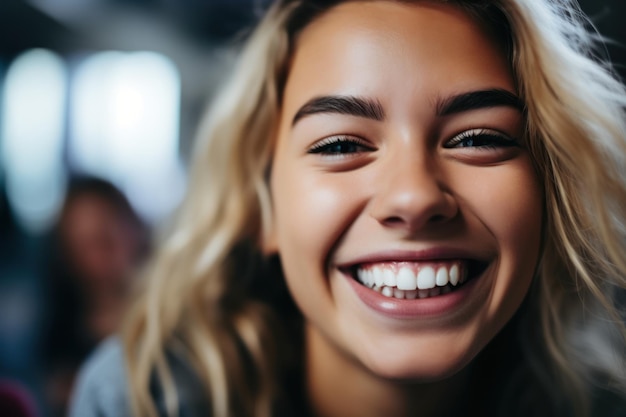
(99, 100)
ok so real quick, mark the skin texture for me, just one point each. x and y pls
(403, 192)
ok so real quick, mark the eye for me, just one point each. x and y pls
(340, 146)
(481, 139)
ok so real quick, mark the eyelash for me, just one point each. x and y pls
(490, 140)
(325, 146)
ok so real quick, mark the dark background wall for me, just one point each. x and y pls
(609, 18)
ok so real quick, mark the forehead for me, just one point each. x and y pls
(392, 49)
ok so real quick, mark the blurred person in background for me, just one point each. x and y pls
(96, 246)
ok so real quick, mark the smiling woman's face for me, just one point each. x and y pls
(407, 211)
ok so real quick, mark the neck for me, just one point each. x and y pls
(339, 386)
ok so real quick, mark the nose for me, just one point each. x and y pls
(412, 193)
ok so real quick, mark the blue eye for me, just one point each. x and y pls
(339, 145)
(482, 139)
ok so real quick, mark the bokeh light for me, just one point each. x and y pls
(32, 134)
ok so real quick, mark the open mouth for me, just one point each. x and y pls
(417, 280)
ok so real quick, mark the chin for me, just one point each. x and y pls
(413, 367)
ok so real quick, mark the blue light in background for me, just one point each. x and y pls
(124, 123)
(31, 137)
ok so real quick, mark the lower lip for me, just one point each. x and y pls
(409, 309)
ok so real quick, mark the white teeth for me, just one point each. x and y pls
(389, 278)
(360, 274)
(442, 277)
(426, 278)
(393, 292)
(378, 278)
(454, 275)
(403, 282)
(406, 279)
(376, 274)
(366, 277)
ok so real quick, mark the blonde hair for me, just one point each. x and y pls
(200, 303)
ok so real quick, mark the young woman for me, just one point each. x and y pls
(439, 184)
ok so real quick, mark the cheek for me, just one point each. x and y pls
(509, 206)
(515, 208)
(508, 201)
(311, 211)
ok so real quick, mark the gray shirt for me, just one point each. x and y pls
(101, 387)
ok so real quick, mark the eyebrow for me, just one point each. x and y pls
(480, 99)
(349, 105)
(373, 109)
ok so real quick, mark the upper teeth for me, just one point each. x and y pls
(410, 276)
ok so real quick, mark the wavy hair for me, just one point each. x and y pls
(211, 298)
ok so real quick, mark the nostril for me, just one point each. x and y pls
(437, 218)
(394, 220)
(399, 221)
